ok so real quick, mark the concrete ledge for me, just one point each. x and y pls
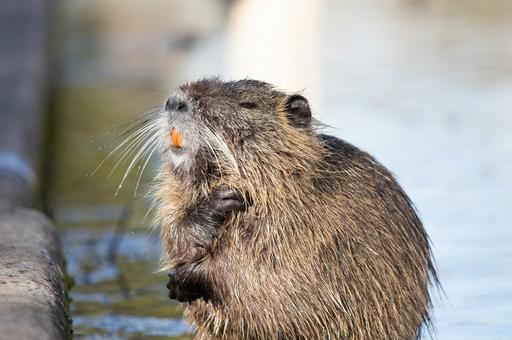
(32, 293)
(31, 277)
(14, 191)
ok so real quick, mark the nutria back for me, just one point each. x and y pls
(327, 244)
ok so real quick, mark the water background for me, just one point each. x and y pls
(425, 86)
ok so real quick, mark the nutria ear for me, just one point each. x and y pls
(298, 111)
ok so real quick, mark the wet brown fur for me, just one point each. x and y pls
(330, 248)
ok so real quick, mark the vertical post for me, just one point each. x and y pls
(32, 290)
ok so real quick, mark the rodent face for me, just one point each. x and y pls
(209, 123)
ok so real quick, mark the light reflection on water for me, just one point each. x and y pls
(425, 86)
(122, 326)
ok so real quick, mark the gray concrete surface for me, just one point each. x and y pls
(32, 296)
(31, 277)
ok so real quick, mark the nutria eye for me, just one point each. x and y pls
(173, 104)
(248, 105)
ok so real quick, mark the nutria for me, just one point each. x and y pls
(272, 230)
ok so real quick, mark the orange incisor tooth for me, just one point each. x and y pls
(176, 138)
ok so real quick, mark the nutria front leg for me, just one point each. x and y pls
(183, 287)
(188, 281)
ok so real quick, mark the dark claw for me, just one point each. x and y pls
(225, 200)
(172, 276)
(227, 205)
(214, 210)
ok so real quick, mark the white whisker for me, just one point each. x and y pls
(128, 139)
(223, 148)
(132, 146)
(155, 143)
(136, 158)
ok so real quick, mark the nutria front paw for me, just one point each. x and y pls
(214, 210)
(225, 200)
(180, 290)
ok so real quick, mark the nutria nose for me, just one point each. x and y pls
(174, 104)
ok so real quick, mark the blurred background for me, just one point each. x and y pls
(423, 85)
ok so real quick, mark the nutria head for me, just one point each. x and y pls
(211, 128)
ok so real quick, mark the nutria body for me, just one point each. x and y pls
(274, 231)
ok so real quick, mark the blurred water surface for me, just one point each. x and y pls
(424, 85)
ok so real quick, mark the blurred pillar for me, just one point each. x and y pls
(275, 41)
(23, 65)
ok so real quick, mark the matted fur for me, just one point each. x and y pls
(330, 247)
